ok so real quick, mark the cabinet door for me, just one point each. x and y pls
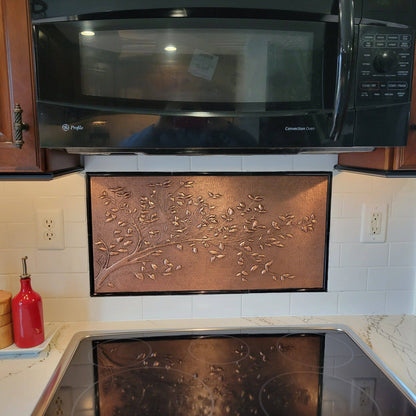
(405, 158)
(17, 87)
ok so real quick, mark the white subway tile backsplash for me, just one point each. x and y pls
(4, 238)
(363, 278)
(392, 278)
(167, 307)
(383, 188)
(21, 188)
(48, 202)
(315, 163)
(263, 163)
(266, 304)
(347, 279)
(66, 185)
(358, 303)
(66, 309)
(75, 209)
(16, 210)
(216, 163)
(216, 306)
(404, 205)
(11, 261)
(21, 235)
(406, 185)
(401, 230)
(399, 302)
(5, 284)
(71, 185)
(113, 163)
(351, 206)
(149, 163)
(352, 183)
(59, 285)
(345, 230)
(115, 309)
(70, 260)
(402, 254)
(76, 234)
(334, 254)
(336, 205)
(364, 255)
(313, 304)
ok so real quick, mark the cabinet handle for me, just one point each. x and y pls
(19, 126)
(344, 62)
(412, 126)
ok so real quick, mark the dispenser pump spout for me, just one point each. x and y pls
(25, 275)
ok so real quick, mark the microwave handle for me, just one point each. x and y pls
(344, 63)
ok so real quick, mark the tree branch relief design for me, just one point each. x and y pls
(170, 214)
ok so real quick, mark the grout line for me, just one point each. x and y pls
(366, 279)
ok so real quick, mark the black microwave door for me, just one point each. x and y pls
(176, 84)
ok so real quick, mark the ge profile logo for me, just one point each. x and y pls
(77, 127)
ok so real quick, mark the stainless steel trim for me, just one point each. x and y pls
(69, 352)
(329, 150)
(195, 152)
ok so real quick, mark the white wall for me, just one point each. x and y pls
(363, 278)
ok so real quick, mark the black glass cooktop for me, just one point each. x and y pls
(219, 373)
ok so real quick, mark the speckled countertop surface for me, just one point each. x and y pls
(23, 379)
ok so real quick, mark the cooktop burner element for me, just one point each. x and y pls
(122, 355)
(242, 372)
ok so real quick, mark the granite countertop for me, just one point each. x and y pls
(23, 379)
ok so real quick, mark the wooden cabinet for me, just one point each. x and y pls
(405, 157)
(398, 161)
(394, 161)
(17, 86)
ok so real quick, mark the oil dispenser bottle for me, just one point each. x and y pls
(27, 313)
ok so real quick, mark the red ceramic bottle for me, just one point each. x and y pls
(27, 314)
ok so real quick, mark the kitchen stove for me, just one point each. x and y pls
(247, 371)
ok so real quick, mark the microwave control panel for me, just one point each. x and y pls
(384, 65)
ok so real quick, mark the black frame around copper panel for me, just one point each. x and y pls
(324, 287)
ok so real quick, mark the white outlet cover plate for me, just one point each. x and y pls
(43, 231)
(367, 211)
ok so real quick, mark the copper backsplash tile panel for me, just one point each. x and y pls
(192, 233)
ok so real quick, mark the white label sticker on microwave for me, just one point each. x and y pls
(203, 64)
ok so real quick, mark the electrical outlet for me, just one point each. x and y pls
(50, 229)
(373, 223)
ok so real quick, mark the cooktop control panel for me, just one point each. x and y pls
(384, 65)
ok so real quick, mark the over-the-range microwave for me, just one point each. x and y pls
(223, 76)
